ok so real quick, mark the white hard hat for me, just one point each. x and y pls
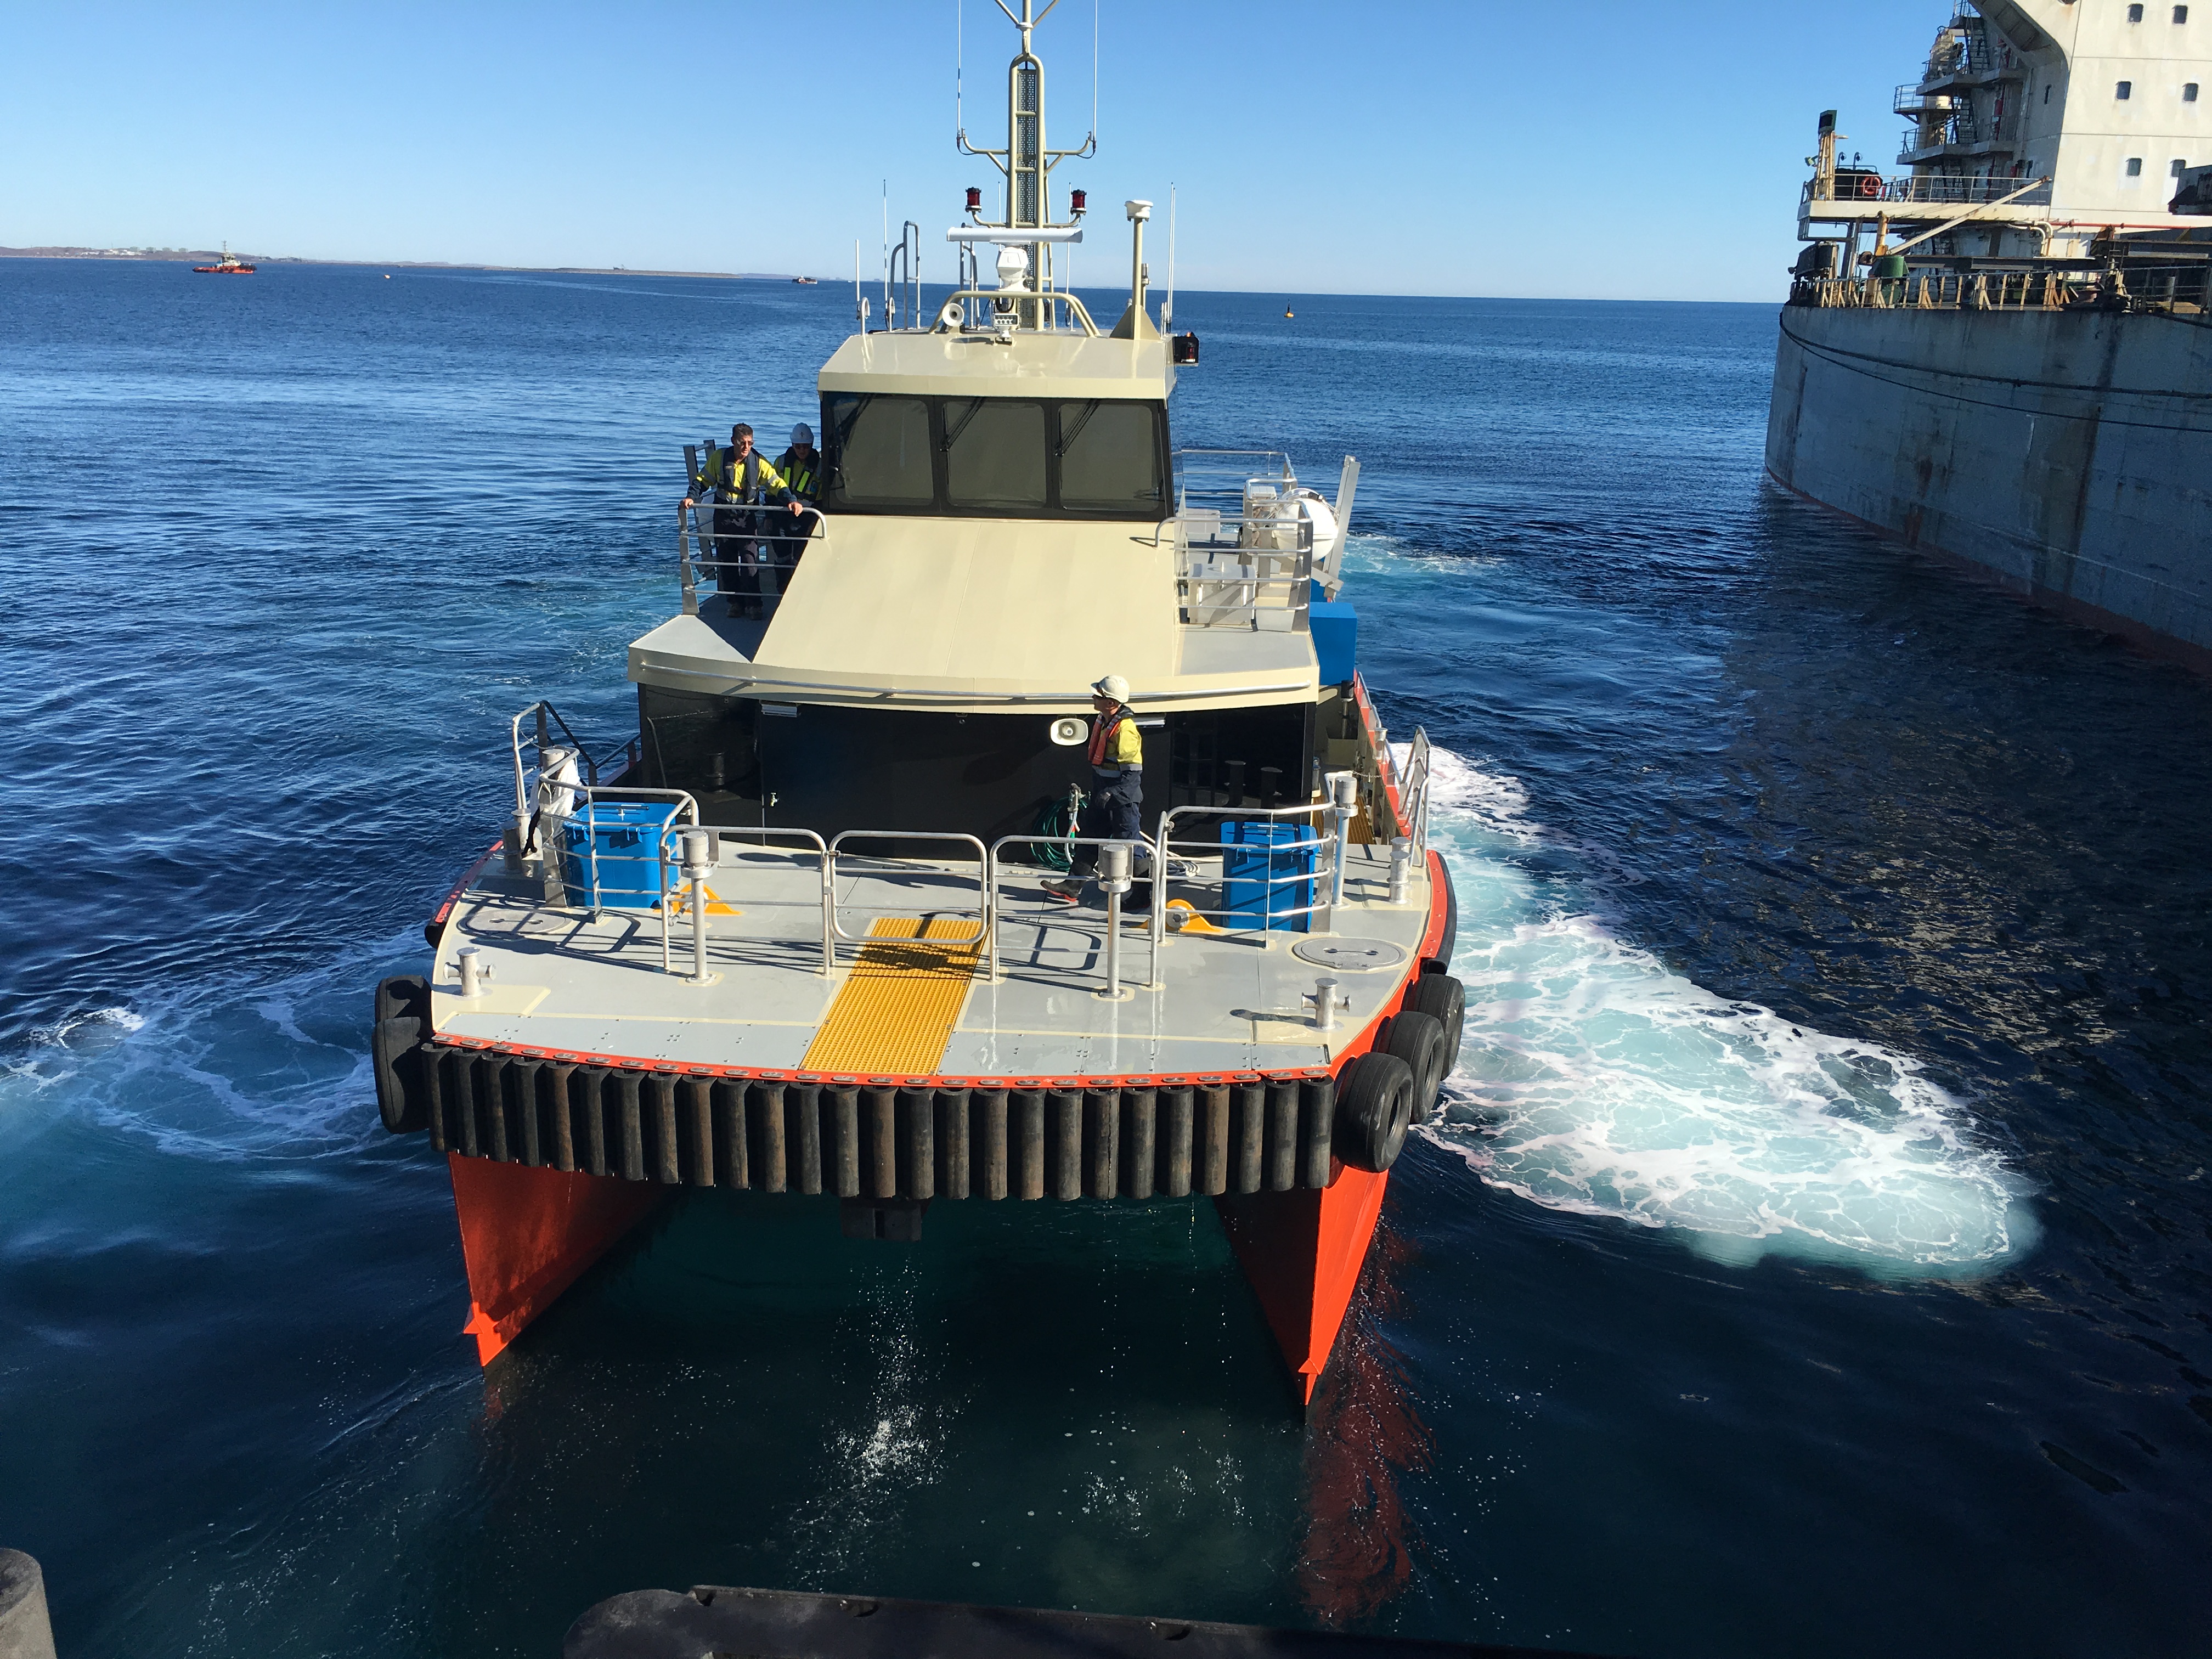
(802, 434)
(1112, 686)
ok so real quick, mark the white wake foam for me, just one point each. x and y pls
(1593, 1079)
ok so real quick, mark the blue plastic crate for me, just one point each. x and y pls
(1264, 875)
(627, 837)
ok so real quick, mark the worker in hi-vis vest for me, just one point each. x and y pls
(741, 481)
(1117, 784)
(801, 468)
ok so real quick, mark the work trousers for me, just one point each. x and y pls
(1117, 801)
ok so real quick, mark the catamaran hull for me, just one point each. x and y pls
(554, 1159)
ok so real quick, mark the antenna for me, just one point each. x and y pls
(1167, 312)
(1025, 166)
(960, 72)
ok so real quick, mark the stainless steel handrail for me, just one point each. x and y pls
(1163, 843)
(720, 830)
(522, 829)
(1159, 878)
(1020, 296)
(787, 528)
(678, 800)
(831, 907)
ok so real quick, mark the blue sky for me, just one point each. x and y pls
(1604, 150)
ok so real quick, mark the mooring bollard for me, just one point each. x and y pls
(468, 959)
(1344, 806)
(1401, 860)
(1326, 1002)
(698, 861)
(26, 1629)
(1114, 863)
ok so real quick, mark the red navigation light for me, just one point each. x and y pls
(975, 199)
(1075, 200)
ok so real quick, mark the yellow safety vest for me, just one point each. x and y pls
(802, 477)
(745, 484)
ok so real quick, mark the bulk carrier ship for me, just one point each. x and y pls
(806, 929)
(2004, 353)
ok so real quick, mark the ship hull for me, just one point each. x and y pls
(2067, 453)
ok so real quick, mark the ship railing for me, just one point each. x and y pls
(1250, 571)
(2176, 288)
(1414, 780)
(567, 802)
(1001, 305)
(748, 551)
(906, 868)
(1931, 189)
(1110, 954)
(1209, 473)
(1913, 99)
(1958, 190)
(697, 901)
(555, 767)
(1324, 876)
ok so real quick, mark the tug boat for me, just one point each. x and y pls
(810, 929)
(228, 265)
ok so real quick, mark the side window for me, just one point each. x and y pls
(1109, 461)
(882, 450)
(995, 453)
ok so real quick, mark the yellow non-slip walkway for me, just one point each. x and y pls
(901, 1001)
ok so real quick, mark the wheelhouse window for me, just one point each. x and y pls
(1109, 459)
(885, 446)
(994, 455)
(1031, 458)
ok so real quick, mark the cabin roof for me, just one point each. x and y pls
(1060, 364)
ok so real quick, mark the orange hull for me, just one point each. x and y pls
(528, 1233)
(1303, 1251)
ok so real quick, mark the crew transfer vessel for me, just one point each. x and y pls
(801, 933)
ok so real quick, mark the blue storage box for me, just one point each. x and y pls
(1335, 628)
(626, 837)
(1264, 875)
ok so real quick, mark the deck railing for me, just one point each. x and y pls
(1930, 189)
(694, 882)
(2172, 289)
(749, 552)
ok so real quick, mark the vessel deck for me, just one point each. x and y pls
(564, 982)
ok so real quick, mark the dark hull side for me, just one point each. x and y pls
(2067, 453)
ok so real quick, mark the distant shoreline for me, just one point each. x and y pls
(187, 256)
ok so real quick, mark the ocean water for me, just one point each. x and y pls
(1812, 1256)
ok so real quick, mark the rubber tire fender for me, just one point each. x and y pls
(1443, 998)
(1419, 1040)
(402, 1093)
(1374, 1105)
(404, 993)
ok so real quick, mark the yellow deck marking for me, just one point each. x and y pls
(898, 1005)
(716, 904)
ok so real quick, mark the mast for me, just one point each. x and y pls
(1026, 164)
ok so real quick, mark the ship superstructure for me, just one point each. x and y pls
(2035, 127)
(801, 932)
(2001, 353)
